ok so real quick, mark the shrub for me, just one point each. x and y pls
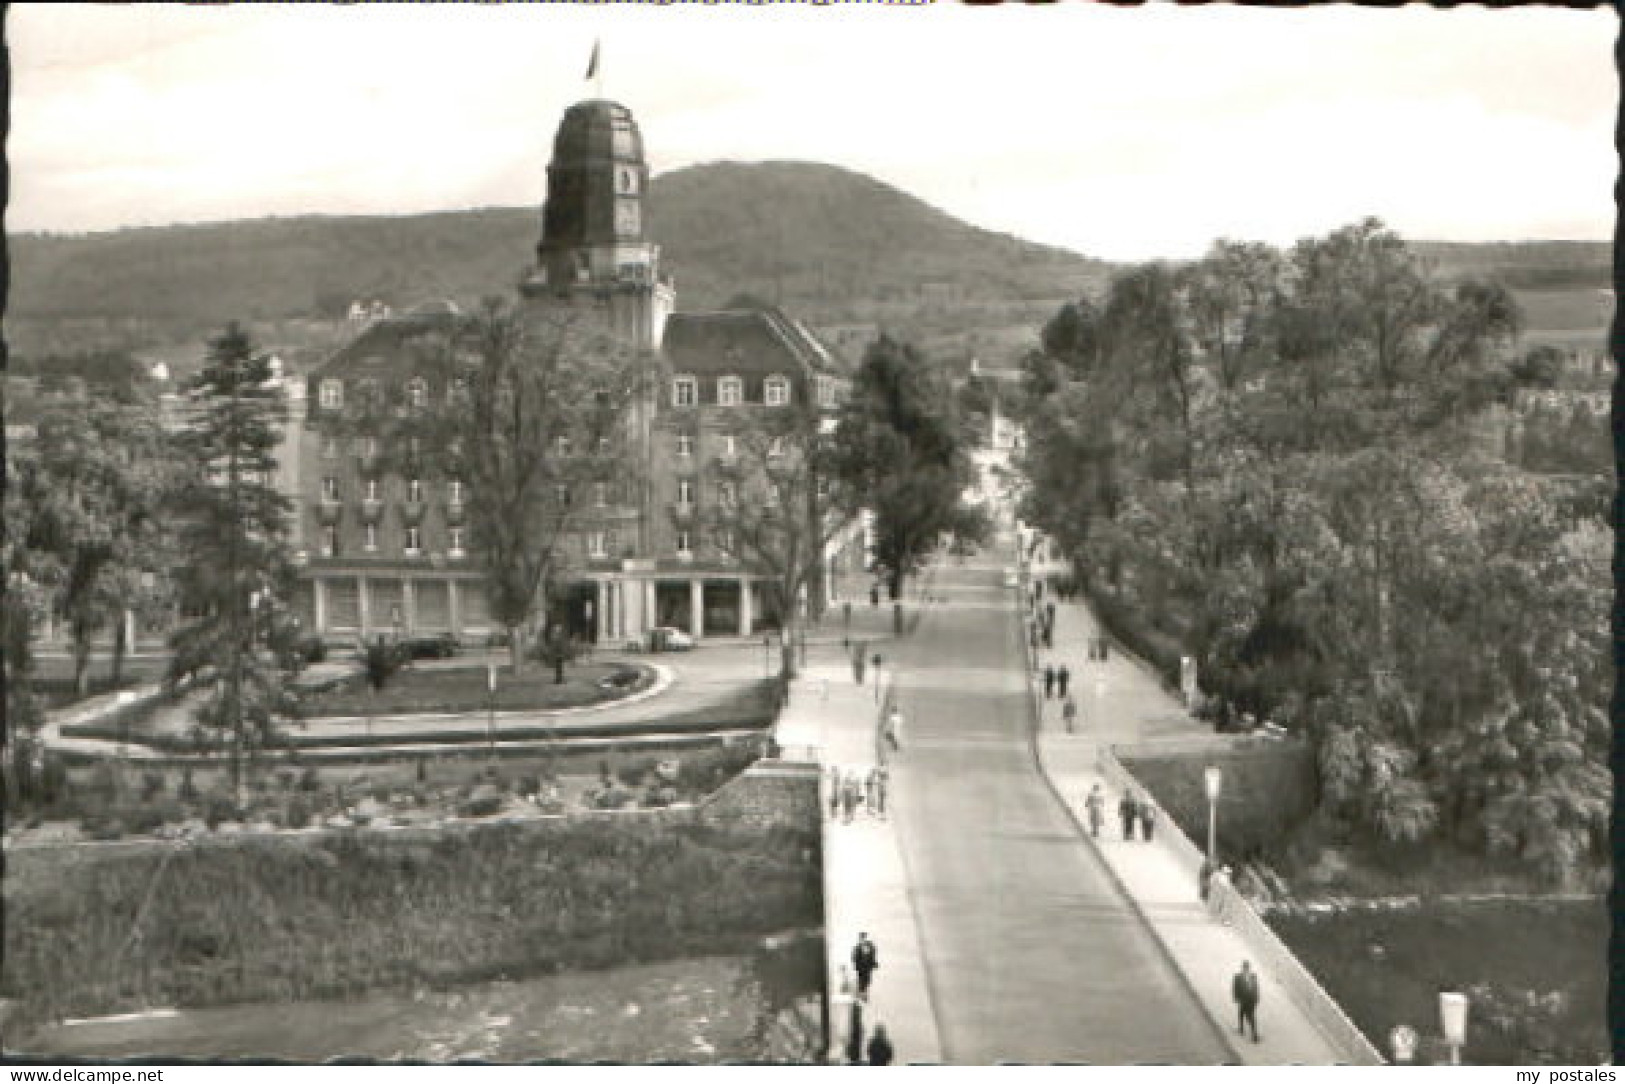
(152, 784)
(634, 772)
(528, 786)
(218, 809)
(310, 781)
(297, 814)
(187, 791)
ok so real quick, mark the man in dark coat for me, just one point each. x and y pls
(1128, 809)
(1244, 991)
(1049, 682)
(854, 1034)
(865, 959)
(880, 1051)
(1062, 676)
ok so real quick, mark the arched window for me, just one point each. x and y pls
(776, 391)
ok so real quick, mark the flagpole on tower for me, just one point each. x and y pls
(595, 72)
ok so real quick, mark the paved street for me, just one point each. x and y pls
(1032, 951)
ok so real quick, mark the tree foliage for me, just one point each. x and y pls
(1274, 456)
(233, 528)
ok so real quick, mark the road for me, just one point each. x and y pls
(1033, 952)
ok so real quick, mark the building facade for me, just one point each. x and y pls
(387, 549)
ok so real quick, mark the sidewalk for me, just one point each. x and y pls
(866, 885)
(1120, 701)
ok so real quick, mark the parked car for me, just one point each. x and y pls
(442, 646)
(666, 638)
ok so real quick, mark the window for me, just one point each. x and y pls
(417, 393)
(775, 448)
(684, 391)
(561, 445)
(454, 491)
(366, 447)
(414, 539)
(369, 540)
(330, 489)
(730, 390)
(332, 394)
(685, 444)
(561, 496)
(776, 391)
(369, 389)
(725, 540)
(826, 391)
(604, 445)
(330, 541)
(600, 494)
(414, 491)
(725, 494)
(772, 494)
(373, 489)
(454, 537)
(330, 447)
(685, 491)
(730, 447)
(595, 544)
(683, 546)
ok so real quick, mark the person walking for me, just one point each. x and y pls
(1049, 634)
(1244, 991)
(1049, 683)
(854, 1034)
(1127, 809)
(880, 1051)
(1096, 805)
(834, 791)
(879, 776)
(1049, 612)
(1062, 677)
(849, 795)
(869, 782)
(891, 731)
(1069, 713)
(1148, 818)
(865, 961)
(860, 658)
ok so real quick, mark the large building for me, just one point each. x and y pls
(386, 552)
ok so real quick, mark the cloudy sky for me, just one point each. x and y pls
(1121, 133)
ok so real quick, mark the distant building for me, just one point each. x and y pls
(384, 552)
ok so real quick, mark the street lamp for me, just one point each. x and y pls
(1212, 779)
(1453, 1020)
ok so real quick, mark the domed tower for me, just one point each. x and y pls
(593, 240)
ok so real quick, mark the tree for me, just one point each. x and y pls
(104, 472)
(779, 504)
(234, 532)
(900, 444)
(527, 408)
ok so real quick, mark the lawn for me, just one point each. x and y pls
(1535, 973)
(463, 689)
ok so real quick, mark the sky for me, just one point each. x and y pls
(1121, 133)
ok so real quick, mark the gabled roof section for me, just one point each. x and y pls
(745, 341)
(379, 346)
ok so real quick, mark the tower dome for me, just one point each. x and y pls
(595, 185)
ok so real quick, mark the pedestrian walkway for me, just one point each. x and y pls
(866, 884)
(1122, 702)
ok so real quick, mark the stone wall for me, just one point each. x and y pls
(768, 794)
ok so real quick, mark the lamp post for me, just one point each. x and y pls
(1453, 1021)
(1212, 780)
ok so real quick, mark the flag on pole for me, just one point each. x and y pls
(592, 65)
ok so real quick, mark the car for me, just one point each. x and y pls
(442, 646)
(667, 638)
(1010, 579)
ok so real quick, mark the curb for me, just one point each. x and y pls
(1034, 716)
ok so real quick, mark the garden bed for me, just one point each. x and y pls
(1535, 972)
(463, 689)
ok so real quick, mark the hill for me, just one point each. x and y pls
(809, 236)
(1526, 265)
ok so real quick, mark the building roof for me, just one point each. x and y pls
(383, 340)
(745, 341)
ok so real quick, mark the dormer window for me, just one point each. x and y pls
(417, 393)
(684, 391)
(730, 390)
(776, 391)
(332, 394)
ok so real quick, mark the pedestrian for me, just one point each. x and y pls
(880, 1051)
(1204, 879)
(1062, 676)
(880, 779)
(834, 791)
(874, 595)
(1127, 810)
(1032, 635)
(1244, 990)
(1096, 804)
(1104, 649)
(1069, 712)
(859, 658)
(870, 782)
(849, 795)
(1049, 683)
(1049, 635)
(1148, 818)
(854, 1034)
(892, 729)
(865, 960)
(1049, 612)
